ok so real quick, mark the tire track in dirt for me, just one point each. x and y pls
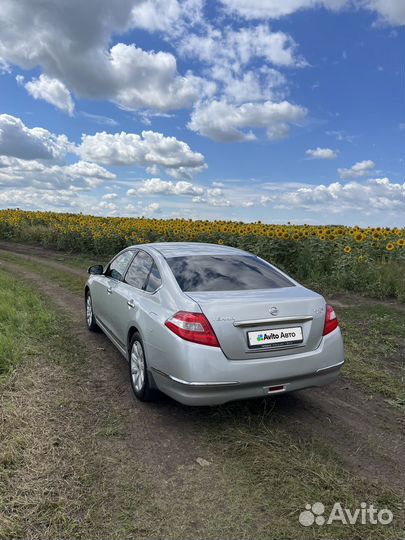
(362, 430)
(40, 255)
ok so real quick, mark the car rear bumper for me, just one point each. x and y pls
(209, 394)
(212, 379)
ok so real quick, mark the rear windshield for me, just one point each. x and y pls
(225, 273)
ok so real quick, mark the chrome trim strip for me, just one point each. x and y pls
(330, 367)
(275, 320)
(198, 384)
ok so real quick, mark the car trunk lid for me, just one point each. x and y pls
(245, 322)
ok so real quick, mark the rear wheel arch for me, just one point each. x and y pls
(148, 393)
(133, 330)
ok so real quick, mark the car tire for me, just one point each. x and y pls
(138, 372)
(90, 319)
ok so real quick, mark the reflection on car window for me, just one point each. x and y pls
(138, 272)
(225, 273)
(119, 264)
(154, 280)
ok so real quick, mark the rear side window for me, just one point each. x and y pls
(154, 281)
(225, 273)
(143, 273)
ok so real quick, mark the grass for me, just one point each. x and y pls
(29, 470)
(69, 469)
(285, 472)
(22, 315)
(374, 343)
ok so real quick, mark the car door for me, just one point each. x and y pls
(128, 298)
(104, 287)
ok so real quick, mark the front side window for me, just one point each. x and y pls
(117, 268)
(140, 270)
(225, 273)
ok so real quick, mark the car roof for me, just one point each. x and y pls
(179, 249)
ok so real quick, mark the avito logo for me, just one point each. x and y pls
(315, 514)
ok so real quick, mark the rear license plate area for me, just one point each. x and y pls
(279, 337)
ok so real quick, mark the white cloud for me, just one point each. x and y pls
(109, 196)
(211, 201)
(70, 42)
(147, 14)
(224, 122)
(178, 15)
(274, 9)
(322, 153)
(15, 172)
(99, 118)
(389, 11)
(20, 165)
(265, 199)
(4, 66)
(341, 136)
(151, 208)
(375, 194)
(259, 85)
(52, 91)
(165, 187)
(111, 207)
(17, 140)
(38, 199)
(89, 170)
(348, 201)
(361, 168)
(215, 192)
(150, 149)
(231, 57)
(239, 47)
(149, 80)
(377, 201)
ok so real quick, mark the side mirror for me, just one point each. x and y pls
(96, 269)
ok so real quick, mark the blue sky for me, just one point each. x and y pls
(235, 109)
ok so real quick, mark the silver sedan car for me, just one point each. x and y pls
(207, 323)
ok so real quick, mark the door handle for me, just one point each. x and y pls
(109, 290)
(131, 304)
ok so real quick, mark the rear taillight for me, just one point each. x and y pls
(192, 327)
(331, 321)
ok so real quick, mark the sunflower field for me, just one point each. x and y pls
(331, 258)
